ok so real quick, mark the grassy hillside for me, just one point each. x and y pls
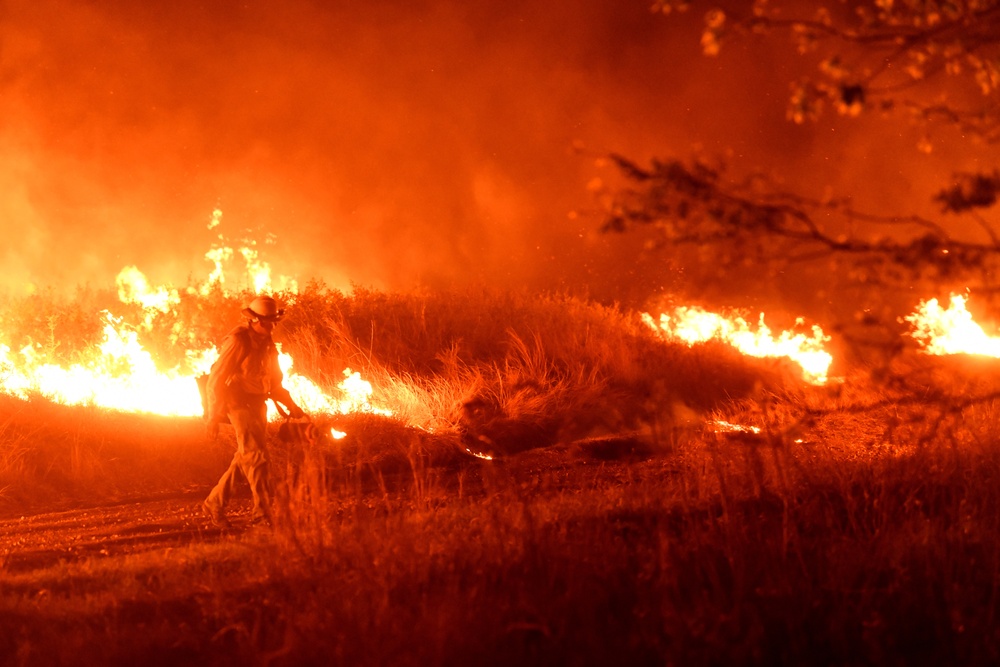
(615, 525)
(500, 372)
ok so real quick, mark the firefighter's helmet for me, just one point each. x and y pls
(264, 308)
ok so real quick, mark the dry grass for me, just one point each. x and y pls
(614, 526)
(57, 456)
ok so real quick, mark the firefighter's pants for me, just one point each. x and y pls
(250, 423)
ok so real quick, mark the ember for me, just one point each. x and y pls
(720, 426)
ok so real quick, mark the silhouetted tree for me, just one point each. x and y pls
(934, 64)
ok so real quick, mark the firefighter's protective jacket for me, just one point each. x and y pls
(246, 372)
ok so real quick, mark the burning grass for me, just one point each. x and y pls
(614, 524)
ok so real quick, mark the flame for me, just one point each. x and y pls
(356, 393)
(219, 257)
(695, 325)
(256, 272)
(120, 374)
(133, 287)
(479, 455)
(950, 330)
(722, 426)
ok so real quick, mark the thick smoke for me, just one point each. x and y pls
(394, 144)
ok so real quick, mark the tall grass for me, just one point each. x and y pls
(688, 559)
(613, 526)
(54, 456)
(495, 373)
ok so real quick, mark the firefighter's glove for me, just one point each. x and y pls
(295, 412)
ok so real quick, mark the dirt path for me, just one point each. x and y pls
(42, 540)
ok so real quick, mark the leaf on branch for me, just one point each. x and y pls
(971, 190)
(715, 27)
(669, 6)
(894, 47)
(987, 75)
(805, 103)
(630, 169)
(696, 206)
(834, 68)
(614, 223)
(852, 100)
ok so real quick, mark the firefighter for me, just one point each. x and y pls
(236, 392)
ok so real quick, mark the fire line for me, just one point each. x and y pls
(694, 325)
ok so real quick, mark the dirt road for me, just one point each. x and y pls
(43, 540)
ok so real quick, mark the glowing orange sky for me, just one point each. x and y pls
(399, 144)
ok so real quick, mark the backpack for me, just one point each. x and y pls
(202, 379)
